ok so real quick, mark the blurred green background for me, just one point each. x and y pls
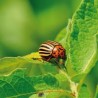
(25, 24)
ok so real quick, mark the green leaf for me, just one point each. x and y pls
(24, 77)
(17, 84)
(61, 35)
(34, 67)
(91, 82)
(82, 39)
(84, 92)
(52, 95)
(96, 95)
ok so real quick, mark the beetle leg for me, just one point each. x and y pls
(49, 59)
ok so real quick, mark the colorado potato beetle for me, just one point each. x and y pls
(52, 49)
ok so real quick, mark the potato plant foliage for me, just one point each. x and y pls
(24, 77)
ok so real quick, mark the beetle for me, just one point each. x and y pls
(52, 49)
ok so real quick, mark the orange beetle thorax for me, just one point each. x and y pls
(58, 52)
